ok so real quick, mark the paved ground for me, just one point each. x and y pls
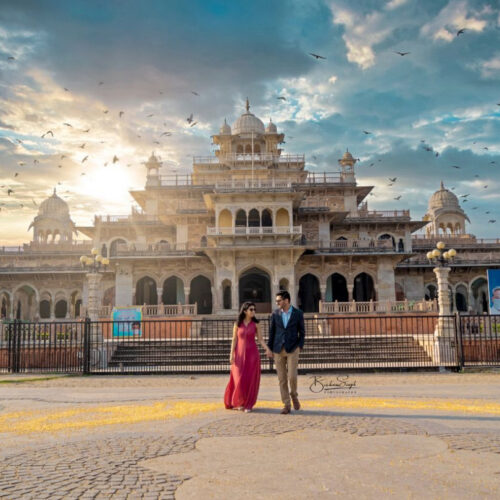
(417, 435)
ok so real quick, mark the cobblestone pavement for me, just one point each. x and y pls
(109, 468)
(107, 462)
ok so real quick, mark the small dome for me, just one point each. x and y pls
(225, 129)
(347, 156)
(53, 206)
(248, 123)
(443, 198)
(271, 128)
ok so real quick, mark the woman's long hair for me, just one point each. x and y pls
(243, 310)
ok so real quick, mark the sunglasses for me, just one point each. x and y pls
(251, 308)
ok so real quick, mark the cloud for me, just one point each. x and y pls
(394, 4)
(454, 16)
(361, 33)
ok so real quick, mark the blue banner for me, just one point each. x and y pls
(127, 321)
(494, 290)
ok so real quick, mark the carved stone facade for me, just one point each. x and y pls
(244, 224)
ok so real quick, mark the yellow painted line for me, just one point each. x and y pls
(27, 422)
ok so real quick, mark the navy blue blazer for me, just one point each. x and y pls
(290, 337)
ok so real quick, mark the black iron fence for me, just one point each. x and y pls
(203, 344)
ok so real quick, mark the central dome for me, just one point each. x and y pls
(248, 123)
(53, 206)
(443, 198)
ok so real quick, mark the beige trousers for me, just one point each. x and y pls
(286, 366)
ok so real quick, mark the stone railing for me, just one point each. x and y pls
(245, 184)
(253, 231)
(157, 310)
(379, 214)
(459, 241)
(158, 249)
(77, 246)
(353, 246)
(378, 307)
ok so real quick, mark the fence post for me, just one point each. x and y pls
(86, 346)
(10, 348)
(458, 340)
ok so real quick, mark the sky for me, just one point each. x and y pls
(73, 67)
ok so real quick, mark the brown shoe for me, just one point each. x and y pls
(296, 404)
(285, 410)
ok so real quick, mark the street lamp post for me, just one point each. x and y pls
(94, 265)
(444, 339)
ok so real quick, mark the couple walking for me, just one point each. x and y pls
(286, 340)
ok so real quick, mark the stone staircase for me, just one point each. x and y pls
(210, 352)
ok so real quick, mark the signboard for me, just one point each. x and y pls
(127, 321)
(494, 290)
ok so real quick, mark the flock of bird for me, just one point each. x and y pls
(191, 122)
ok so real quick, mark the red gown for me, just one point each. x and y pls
(244, 381)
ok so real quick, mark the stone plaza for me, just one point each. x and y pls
(418, 435)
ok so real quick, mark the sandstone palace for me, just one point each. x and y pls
(244, 224)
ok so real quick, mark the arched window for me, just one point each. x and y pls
(267, 218)
(282, 218)
(241, 218)
(225, 218)
(388, 237)
(239, 149)
(363, 288)
(146, 291)
(44, 309)
(61, 309)
(256, 148)
(254, 218)
(248, 148)
(336, 288)
(114, 244)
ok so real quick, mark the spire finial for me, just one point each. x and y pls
(54, 191)
(442, 185)
(247, 105)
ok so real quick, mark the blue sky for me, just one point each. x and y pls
(428, 110)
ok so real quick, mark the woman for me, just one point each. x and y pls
(243, 387)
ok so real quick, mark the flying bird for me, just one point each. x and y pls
(16, 174)
(393, 179)
(63, 156)
(402, 53)
(316, 56)
(485, 187)
(455, 166)
(398, 197)
(437, 154)
(121, 113)
(85, 159)
(88, 130)
(105, 111)
(11, 58)
(149, 116)
(281, 98)
(156, 142)
(166, 133)
(10, 191)
(68, 125)
(195, 93)
(366, 132)
(101, 83)
(193, 124)
(83, 145)
(189, 119)
(492, 221)
(48, 132)
(66, 90)
(115, 159)
(485, 147)
(34, 202)
(461, 31)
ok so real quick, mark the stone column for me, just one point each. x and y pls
(385, 280)
(93, 302)
(350, 289)
(444, 334)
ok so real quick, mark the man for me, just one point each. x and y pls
(286, 340)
